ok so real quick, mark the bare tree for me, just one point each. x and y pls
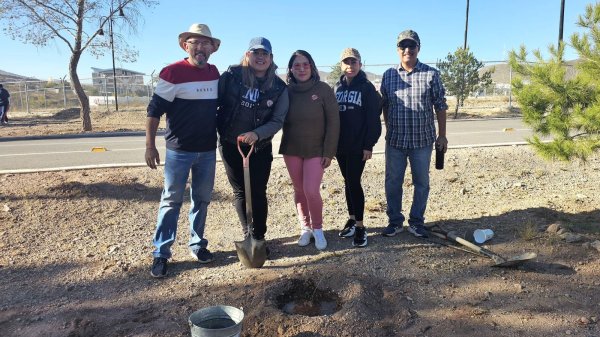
(76, 23)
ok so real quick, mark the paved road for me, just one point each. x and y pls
(31, 155)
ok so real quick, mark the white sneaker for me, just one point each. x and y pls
(305, 235)
(320, 241)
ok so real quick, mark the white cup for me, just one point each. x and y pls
(482, 235)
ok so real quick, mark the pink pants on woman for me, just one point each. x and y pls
(306, 174)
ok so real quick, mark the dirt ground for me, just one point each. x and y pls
(76, 252)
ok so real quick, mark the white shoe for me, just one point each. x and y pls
(305, 235)
(320, 241)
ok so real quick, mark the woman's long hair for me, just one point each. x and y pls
(249, 78)
(314, 73)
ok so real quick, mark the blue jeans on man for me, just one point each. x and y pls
(178, 165)
(396, 161)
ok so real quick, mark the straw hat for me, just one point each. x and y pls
(198, 29)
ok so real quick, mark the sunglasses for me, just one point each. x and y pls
(407, 44)
(350, 61)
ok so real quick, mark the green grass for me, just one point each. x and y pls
(528, 232)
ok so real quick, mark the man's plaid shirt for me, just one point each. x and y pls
(410, 99)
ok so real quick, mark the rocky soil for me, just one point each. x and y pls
(76, 254)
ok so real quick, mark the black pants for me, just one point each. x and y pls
(352, 167)
(260, 169)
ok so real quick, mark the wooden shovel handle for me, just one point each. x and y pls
(497, 258)
(245, 158)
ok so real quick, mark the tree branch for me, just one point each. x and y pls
(55, 10)
(45, 22)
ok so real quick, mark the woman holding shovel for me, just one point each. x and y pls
(253, 103)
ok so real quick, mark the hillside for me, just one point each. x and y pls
(325, 74)
(502, 73)
(5, 76)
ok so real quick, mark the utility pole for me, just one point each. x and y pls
(112, 46)
(467, 25)
(562, 20)
(64, 91)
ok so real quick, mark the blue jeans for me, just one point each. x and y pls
(177, 168)
(395, 168)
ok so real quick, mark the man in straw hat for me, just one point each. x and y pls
(187, 93)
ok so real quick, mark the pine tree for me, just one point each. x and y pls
(334, 75)
(460, 75)
(564, 110)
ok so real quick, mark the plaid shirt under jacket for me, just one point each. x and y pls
(410, 99)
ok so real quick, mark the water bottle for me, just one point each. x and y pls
(439, 158)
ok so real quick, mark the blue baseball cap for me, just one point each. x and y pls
(260, 43)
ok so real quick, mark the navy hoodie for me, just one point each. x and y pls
(360, 110)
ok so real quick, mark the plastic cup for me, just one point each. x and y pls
(482, 235)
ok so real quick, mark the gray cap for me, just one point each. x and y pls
(408, 35)
(260, 43)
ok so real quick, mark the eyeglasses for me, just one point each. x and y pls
(195, 43)
(350, 61)
(407, 44)
(298, 66)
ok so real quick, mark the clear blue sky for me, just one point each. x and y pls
(323, 28)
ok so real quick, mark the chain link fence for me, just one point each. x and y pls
(35, 96)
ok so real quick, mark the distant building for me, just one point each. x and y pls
(126, 79)
(377, 84)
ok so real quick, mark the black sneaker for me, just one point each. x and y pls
(159, 267)
(392, 230)
(360, 237)
(348, 230)
(418, 231)
(203, 255)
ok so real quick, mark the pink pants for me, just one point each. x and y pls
(306, 174)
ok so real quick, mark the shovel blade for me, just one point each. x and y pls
(251, 252)
(516, 260)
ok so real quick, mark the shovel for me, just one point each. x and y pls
(251, 252)
(498, 260)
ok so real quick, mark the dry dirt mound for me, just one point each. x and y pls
(76, 254)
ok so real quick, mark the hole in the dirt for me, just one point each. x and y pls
(302, 297)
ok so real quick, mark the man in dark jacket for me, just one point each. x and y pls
(4, 105)
(360, 128)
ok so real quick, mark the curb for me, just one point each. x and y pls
(80, 135)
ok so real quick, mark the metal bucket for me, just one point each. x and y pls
(217, 321)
